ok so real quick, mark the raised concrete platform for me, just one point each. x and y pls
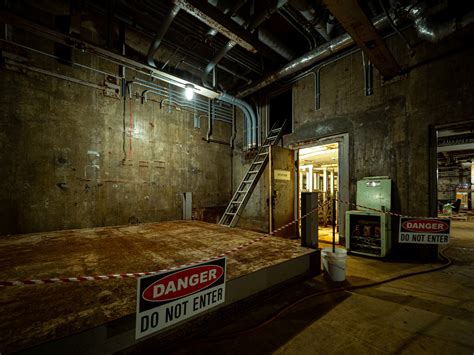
(98, 316)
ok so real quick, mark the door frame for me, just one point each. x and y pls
(433, 161)
(343, 175)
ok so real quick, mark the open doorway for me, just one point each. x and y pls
(455, 172)
(281, 108)
(318, 168)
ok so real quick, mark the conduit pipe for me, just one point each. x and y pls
(214, 61)
(249, 116)
(160, 34)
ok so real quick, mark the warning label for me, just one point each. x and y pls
(424, 231)
(174, 296)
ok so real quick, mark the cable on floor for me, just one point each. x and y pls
(448, 262)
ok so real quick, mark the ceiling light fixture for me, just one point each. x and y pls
(189, 91)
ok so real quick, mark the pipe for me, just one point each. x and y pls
(330, 24)
(286, 14)
(433, 31)
(274, 43)
(266, 14)
(311, 16)
(209, 122)
(160, 34)
(302, 62)
(368, 76)
(249, 115)
(310, 58)
(234, 129)
(257, 21)
(214, 61)
(318, 73)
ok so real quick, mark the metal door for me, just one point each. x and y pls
(282, 190)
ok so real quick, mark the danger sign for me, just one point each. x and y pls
(174, 296)
(424, 231)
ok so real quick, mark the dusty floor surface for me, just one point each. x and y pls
(33, 314)
(431, 313)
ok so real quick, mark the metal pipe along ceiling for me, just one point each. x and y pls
(434, 31)
(217, 58)
(264, 37)
(426, 30)
(160, 34)
(310, 58)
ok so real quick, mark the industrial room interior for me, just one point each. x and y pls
(283, 142)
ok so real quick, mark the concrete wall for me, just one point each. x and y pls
(255, 214)
(66, 162)
(390, 130)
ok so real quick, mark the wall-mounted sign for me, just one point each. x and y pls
(174, 296)
(282, 174)
(424, 231)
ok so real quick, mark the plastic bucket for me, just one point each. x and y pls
(335, 263)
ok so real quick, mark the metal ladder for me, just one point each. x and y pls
(248, 183)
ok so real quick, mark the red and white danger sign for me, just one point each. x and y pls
(424, 231)
(173, 296)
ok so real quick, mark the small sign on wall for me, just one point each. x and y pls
(174, 296)
(282, 174)
(424, 231)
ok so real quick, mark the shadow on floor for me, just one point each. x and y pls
(235, 332)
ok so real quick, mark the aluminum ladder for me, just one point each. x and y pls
(244, 191)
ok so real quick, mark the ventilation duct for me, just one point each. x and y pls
(160, 34)
(426, 28)
(432, 30)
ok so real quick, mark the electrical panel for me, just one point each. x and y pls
(368, 233)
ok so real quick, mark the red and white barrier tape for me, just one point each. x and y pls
(140, 274)
(385, 212)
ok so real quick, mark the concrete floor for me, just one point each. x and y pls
(31, 315)
(430, 313)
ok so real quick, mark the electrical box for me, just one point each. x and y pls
(368, 232)
(374, 192)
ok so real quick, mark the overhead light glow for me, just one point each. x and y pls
(189, 91)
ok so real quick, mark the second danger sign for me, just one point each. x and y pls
(424, 231)
(171, 297)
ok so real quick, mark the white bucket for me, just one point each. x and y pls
(335, 263)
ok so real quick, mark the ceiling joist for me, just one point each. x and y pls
(358, 25)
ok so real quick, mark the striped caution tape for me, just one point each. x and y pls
(52, 280)
(385, 212)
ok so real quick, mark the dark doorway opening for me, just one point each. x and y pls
(281, 108)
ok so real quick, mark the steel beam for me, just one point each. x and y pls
(216, 19)
(358, 25)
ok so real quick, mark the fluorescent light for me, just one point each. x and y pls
(189, 91)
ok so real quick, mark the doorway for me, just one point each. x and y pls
(323, 168)
(455, 172)
(281, 109)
